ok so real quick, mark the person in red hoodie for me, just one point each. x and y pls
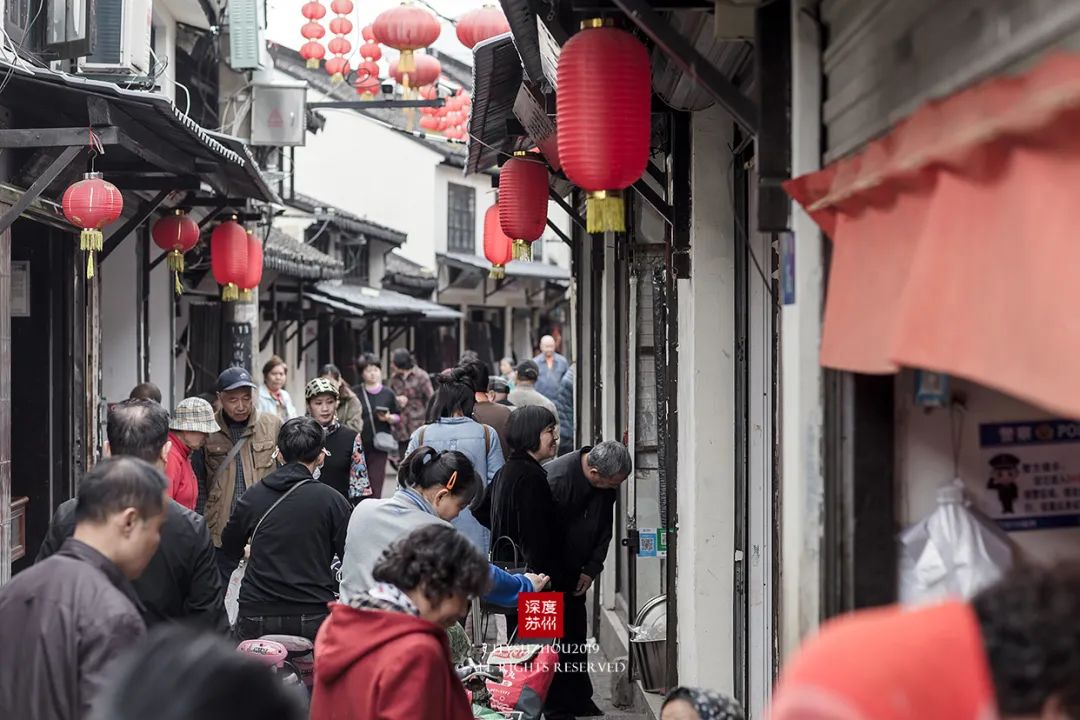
(387, 654)
(189, 427)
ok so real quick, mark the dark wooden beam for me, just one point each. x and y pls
(574, 217)
(558, 231)
(645, 191)
(32, 193)
(154, 182)
(679, 50)
(157, 261)
(56, 137)
(141, 215)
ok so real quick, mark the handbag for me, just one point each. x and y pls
(383, 441)
(232, 594)
(515, 566)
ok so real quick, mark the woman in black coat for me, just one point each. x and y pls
(518, 506)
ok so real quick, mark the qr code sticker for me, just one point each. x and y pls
(648, 544)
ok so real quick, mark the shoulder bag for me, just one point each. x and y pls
(383, 441)
(232, 594)
(514, 566)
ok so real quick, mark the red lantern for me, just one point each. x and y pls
(603, 116)
(341, 26)
(229, 258)
(341, 7)
(406, 28)
(497, 246)
(367, 69)
(478, 25)
(91, 204)
(313, 10)
(368, 86)
(371, 51)
(176, 234)
(339, 46)
(337, 67)
(313, 52)
(429, 122)
(312, 31)
(254, 271)
(523, 201)
(426, 70)
(369, 34)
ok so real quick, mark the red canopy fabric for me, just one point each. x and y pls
(956, 240)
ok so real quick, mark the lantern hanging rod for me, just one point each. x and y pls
(558, 231)
(141, 215)
(691, 62)
(32, 193)
(650, 196)
(376, 104)
(57, 137)
(574, 217)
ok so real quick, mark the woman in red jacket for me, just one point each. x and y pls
(189, 427)
(387, 655)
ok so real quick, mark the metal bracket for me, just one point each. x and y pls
(500, 285)
(691, 62)
(558, 231)
(650, 196)
(574, 217)
(377, 104)
(32, 193)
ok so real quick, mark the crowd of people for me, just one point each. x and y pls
(240, 495)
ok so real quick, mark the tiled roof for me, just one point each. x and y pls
(288, 255)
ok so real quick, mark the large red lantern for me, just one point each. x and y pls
(406, 28)
(426, 70)
(478, 25)
(497, 244)
(229, 258)
(254, 271)
(523, 201)
(176, 234)
(91, 204)
(603, 117)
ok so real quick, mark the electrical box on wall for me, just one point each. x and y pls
(278, 114)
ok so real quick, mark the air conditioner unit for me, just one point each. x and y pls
(123, 38)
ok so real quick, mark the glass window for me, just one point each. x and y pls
(461, 219)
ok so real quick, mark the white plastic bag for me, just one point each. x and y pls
(232, 593)
(954, 552)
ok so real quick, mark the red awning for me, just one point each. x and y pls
(956, 240)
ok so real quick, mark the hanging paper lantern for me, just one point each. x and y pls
(254, 271)
(523, 201)
(497, 244)
(229, 258)
(367, 69)
(406, 28)
(369, 34)
(176, 234)
(337, 67)
(603, 116)
(312, 31)
(339, 46)
(368, 87)
(91, 204)
(478, 25)
(429, 122)
(313, 52)
(371, 51)
(341, 26)
(313, 10)
(426, 70)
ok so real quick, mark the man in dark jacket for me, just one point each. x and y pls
(290, 526)
(182, 581)
(585, 486)
(64, 620)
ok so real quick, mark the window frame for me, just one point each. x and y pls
(460, 218)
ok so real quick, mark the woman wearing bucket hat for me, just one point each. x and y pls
(345, 467)
(191, 424)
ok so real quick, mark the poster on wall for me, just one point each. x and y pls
(1030, 474)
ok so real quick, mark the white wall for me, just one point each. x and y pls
(802, 476)
(361, 166)
(924, 459)
(706, 402)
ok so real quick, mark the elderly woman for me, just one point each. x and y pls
(386, 654)
(687, 703)
(273, 397)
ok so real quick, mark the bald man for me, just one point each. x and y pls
(552, 368)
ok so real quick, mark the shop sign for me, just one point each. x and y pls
(1030, 474)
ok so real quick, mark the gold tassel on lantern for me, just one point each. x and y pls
(175, 260)
(498, 272)
(406, 63)
(605, 212)
(520, 250)
(90, 265)
(313, 63)
(246, 296)
(91, 239)
(230, 293)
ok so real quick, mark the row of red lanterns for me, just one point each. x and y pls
(236, 256)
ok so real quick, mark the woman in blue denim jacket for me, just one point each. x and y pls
(451, 427)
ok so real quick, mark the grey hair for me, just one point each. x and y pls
(610, 458)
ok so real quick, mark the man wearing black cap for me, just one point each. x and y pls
(1004, 470)
(500, 390)
(241, 452)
